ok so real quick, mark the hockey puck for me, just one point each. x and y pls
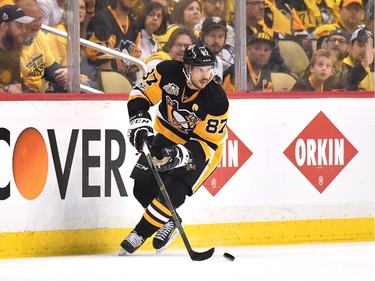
(229, 257)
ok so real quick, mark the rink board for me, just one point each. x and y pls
(296, 169)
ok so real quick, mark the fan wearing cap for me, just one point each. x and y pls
(362, 53)
(342, 78)
(351, 12)
(217, 8)
(338, 43)
(191, 128)
(37, 60)
(213, 35)
(12, 29)
(258, 53)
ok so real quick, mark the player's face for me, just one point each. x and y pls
(179, 47)
(259, 53)
(201, 75)
(322, 69)
(215, 39)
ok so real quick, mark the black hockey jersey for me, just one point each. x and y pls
(195, 118)
(105, 29)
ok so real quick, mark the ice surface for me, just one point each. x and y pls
(318, 262)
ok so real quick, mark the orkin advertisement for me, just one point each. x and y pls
(65, 164)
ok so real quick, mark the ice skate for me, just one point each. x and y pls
(165, 236)
(131, 243)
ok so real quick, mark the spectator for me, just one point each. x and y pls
(114, 27)
(167, 7)
(52, 11)
(37, 60)
(351, 12)
(369, 22)
(343, 76)
(217, 8)
(287, 9)
(59, 48)
(321, 68)
(259, 49)
(362, 53)
(276, 20)
(152, 21)
(12, 30)
(255, 12)
(90, 12)
(303, 38)
(312, 13)
(186, 13)
(102, 4)
(369, 17)
(338, 44)
(174, 48)
(213, 35)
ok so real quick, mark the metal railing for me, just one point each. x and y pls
(95, 46)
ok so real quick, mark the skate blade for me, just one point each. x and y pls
(173, 237)
(122, 252)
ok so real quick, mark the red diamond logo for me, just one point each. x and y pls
(320, 152)
(235, 154)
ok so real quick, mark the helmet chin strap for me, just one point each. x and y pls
(187, 73)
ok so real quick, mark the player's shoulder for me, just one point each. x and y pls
(169, 66)
(216, 97)
(170, 71)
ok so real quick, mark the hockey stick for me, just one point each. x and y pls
(195, 256)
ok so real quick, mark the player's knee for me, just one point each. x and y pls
(144, 193)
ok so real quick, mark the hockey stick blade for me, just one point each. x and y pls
(195, 256)
(201, 256)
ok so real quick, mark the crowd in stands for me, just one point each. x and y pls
(336, 36)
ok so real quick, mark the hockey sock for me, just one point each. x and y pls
(155, 216)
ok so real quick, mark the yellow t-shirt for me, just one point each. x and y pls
(35, 58)
(58, 45)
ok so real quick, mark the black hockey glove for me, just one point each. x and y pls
(174, 156)
(140, 129)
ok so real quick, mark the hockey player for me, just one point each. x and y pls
(191, 128)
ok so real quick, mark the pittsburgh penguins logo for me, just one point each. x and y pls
(181, 119)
